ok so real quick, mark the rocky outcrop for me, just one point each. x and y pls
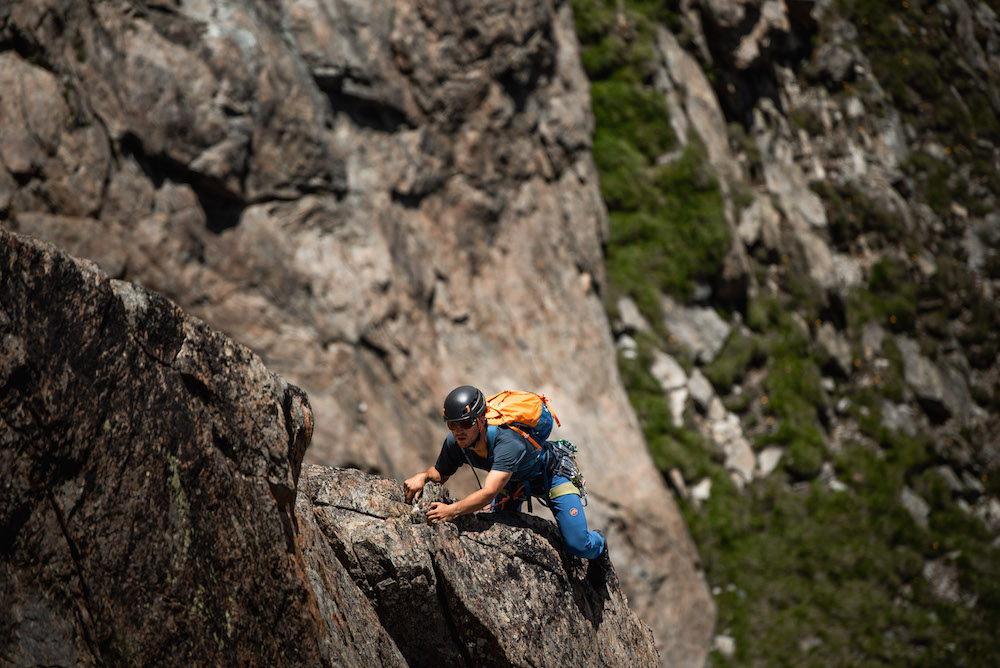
(382, 201)
(490, 589)
(151, 466)
(857, 149)
(819, 152)
(155, 510)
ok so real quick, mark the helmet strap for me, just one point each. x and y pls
(481, 436)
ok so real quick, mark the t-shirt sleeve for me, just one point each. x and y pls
(508, 452)
(450, 459)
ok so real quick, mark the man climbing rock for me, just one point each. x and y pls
(517, 470)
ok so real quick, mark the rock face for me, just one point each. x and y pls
(153, 512)
(831, 198)
(490, 589)
(150, 480)
(383, 201)
(859, 166)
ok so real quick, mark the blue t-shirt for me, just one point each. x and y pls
(509, 453)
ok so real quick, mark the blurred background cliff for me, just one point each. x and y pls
(748, 248)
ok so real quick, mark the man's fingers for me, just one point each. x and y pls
(412, 491)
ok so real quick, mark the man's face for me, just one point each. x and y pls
(466, 431)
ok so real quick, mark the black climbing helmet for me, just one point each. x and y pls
(463, 403)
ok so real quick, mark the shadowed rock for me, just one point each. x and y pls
(150, 465)
(381, 200)
(151, 512)
(489, 589)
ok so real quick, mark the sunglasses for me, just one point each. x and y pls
(462, 424)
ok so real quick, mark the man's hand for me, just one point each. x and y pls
(445, 512)
(441, 512)
(415, 486)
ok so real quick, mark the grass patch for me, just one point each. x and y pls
(671, 446)
(737, 355)
(668, 228)
(935, 179)
(634, 116)
(795, 399)
(973, 317)
(836, 578)
(890, 300)
(803, 574)
(851, 213)
(620, 36)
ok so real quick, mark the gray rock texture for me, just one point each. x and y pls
(153, 512)
(151, 467)
(490, 589)
(796, 133)
(382, 201)
(385, 200)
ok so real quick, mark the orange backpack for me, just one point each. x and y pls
(526, 413)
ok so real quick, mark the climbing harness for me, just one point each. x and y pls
(567, 467)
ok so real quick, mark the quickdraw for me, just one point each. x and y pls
(567, 467)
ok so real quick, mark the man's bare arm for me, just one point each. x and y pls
(415, 486)
(445, 512)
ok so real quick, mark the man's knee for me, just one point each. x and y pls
(578, 543)
(573, 526)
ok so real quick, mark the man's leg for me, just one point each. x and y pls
(564, 501)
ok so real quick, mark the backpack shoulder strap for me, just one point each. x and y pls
(491, 434)
(526, 435)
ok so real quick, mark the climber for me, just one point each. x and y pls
(517, 470)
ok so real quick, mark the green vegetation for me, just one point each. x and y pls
(903, 302)
(911, 46)
(836, 578)
(933, 177)
(737, 355)
(805, 571)
(890, 300)
(619, 36)
(672, 446)
(851, 213)
(952, 290)
(667, 224)
(794, 399)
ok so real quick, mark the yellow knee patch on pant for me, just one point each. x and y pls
(563, 489)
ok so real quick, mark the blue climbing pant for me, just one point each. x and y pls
(564, 502)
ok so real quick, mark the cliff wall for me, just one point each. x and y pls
(155, 510)
(382, 201)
